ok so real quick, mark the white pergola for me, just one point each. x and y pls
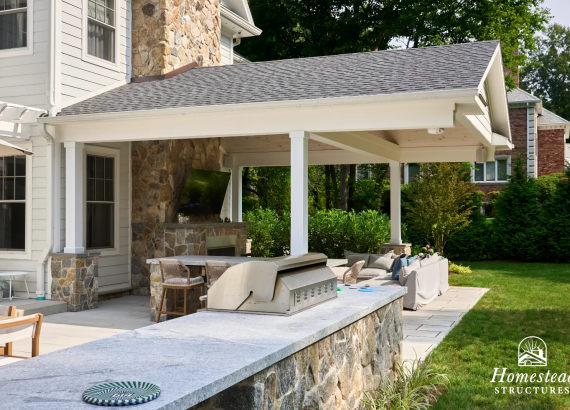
(452, 125)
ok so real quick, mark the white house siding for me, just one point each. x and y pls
(23, 78)
(79, 76)
(226, 48)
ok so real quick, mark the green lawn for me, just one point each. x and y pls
(525, 299)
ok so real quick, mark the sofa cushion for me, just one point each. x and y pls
(428, 260)
(370, 273)
(357, 257)
(381, 262)
(399, 263)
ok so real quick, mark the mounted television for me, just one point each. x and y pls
(204, 192)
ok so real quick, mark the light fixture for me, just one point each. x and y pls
(435, 131)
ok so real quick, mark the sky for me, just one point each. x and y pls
(560, 10)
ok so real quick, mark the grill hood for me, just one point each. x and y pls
(280, 286)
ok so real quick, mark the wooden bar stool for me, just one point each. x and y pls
(176, 276)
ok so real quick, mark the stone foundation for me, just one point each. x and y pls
(75, 280)
(398, 249)
(332, 374)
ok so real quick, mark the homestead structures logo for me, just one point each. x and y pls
(532, 352)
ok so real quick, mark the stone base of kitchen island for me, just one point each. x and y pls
(332, 374)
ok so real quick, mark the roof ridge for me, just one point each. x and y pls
(390, 50)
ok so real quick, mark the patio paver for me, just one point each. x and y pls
(425, 328)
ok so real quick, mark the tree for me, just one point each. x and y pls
(548, 74)
(305, 28)
(440, 201)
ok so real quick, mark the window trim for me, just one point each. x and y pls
(27, 252)
(407, 172)
(85, 56)
(497, 157)
(104, 152)
(29, 49)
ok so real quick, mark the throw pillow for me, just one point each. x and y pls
(381, 262)
(407, 270)
(357, 257)
(398, 264)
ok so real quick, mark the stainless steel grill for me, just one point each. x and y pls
(279, 286)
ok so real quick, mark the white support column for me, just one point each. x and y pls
(395, 204)
(74, 201)
(236, 194)
(299, 192)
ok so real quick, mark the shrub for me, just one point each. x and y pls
(518, 229)
(269, 232)
(477, 241)
(459, 269)
(547, 185)
(413, 388)
(440, 201)
(556, 218)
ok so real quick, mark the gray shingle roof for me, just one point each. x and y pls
(549, 118)
(452, 67)
(520, 96)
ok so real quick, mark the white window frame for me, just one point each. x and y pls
(407, 172)
(27, 252)
(116, 154)
(29, 49)
(497, 157)
(85, 56)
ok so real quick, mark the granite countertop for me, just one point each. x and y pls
(205, 224)
(200, 260)
(191, 358)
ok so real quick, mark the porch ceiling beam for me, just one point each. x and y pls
(247, 121)
(477, 127)
(283, 159)
(362, 143)
(328, 157)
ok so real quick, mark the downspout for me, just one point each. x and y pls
(53, 109)
(50, 226)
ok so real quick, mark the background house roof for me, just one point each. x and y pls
(521, 96)
(549, 118)
(453, 67)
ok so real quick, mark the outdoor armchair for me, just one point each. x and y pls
(350, 275)
(19, 328)
(214, 271)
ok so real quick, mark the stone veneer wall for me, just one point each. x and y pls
(75, 280)
(159, 172)
(169, 34)
(332, 374)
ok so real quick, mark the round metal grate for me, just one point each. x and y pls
(121, 393)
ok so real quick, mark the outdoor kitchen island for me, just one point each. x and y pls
(330, 354)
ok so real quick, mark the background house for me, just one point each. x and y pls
(539, 136)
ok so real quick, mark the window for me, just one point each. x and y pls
(100, 202)
(13, 24)
(101, 29)
(493, 171)
(13, 203)
(413, 170)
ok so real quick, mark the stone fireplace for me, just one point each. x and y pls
(222, 246)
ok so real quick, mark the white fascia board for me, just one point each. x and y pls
(229, 19)
(465, 96)
(205, 123)
(473, 125)
(500, 142)
(241, 8)
(283, 158)
(497, 94)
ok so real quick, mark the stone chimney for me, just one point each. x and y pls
(169, 34)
